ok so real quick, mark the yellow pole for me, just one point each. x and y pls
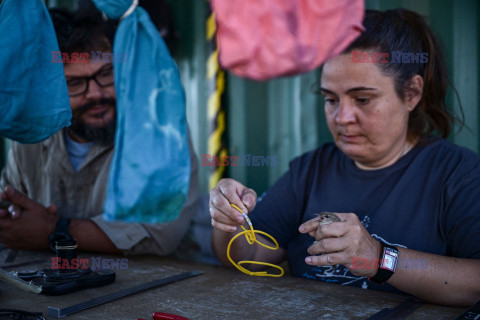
(216, 110)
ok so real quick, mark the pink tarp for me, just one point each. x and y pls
(263, 39)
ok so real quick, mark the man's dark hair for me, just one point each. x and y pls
(84, 33)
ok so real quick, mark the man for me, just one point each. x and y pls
(66, 175)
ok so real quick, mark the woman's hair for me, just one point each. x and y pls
(404, 31)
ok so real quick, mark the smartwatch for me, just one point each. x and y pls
(387, 265)
(60, 232)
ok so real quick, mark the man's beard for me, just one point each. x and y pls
(101, 135)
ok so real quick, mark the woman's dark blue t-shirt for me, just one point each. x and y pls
(429, 201)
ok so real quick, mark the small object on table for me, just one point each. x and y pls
(166, 316)
(67, 278)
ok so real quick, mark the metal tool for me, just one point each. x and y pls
(19, 283)
(60, 313)
(399, 312)
(166, 316)
(472, 313)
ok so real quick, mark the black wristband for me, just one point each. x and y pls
(387, 264)
(60, 232)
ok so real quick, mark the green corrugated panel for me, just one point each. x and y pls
(191, 54)
(280, 118)
(465, 65)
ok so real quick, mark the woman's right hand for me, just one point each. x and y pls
(228, 191)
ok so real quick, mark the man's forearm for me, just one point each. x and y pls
(90, 237)
(442, 280)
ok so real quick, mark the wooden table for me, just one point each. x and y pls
(220, 293)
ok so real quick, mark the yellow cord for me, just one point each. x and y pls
(251, 239)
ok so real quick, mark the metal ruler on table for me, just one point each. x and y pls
(472, 313)
(399, 312)
(60, 313)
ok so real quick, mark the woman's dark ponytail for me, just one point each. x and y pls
(407, 32)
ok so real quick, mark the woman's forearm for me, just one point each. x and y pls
(438, 279)
(241, 250)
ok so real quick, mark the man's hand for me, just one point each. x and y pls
(340, 242)
(29, 223)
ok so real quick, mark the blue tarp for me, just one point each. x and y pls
(34, 102)
(150, 171)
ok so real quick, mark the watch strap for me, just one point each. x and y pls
(387, 265)
(60, 233)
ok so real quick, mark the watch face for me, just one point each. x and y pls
(389, 260)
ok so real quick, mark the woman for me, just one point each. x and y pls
(401, 193)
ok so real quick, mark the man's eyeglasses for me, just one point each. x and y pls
(79, 85)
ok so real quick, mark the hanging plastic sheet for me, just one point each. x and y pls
(263, 39)
(150, 171)
(34, 102)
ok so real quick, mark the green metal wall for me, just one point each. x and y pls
(281, 117)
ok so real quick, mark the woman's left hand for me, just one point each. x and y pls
(346, 242)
